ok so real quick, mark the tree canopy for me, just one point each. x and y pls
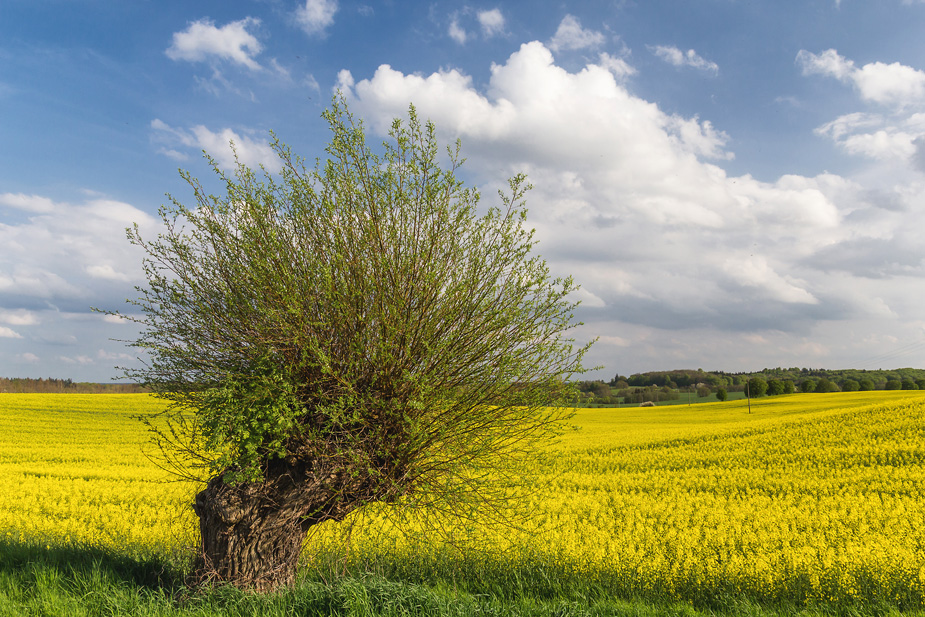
(756, 387)
(358, 331)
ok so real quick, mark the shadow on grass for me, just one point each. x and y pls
(39, 579)
(20, 559)
(73, 581)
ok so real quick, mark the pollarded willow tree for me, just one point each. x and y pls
(343, 334)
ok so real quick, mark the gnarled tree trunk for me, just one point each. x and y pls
(251, 534)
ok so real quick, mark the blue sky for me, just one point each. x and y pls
(735, 184)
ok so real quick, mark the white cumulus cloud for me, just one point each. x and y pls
(889, 136)
(202, 40)
(316, 15)
(892, 84)
(828, 62)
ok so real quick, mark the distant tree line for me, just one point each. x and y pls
(667, 385)
(598, 392)
(22, 385)
(828, 380)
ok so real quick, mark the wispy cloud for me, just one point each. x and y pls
(690, 58)
(250, 150)
(570, 35)
(8, 333)
(456, 31)
(465, 23)
(618, 66)
(492, 22)
(870, 135)
(28, 203)
(83, 248)
(20, 317)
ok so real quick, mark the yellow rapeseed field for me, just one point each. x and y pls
(809, 497)
(817, 496)
(72, 470)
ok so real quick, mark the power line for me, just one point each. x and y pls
(905, 350)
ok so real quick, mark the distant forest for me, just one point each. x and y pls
(638, 385)
(665, 385)
(21, 385)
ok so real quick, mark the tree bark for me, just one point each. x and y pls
(251, 534)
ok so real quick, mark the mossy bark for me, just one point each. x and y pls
(251, 534)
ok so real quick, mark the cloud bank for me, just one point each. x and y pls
(46, 295)
(634, 202)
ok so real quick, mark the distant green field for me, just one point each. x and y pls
(685, 398)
